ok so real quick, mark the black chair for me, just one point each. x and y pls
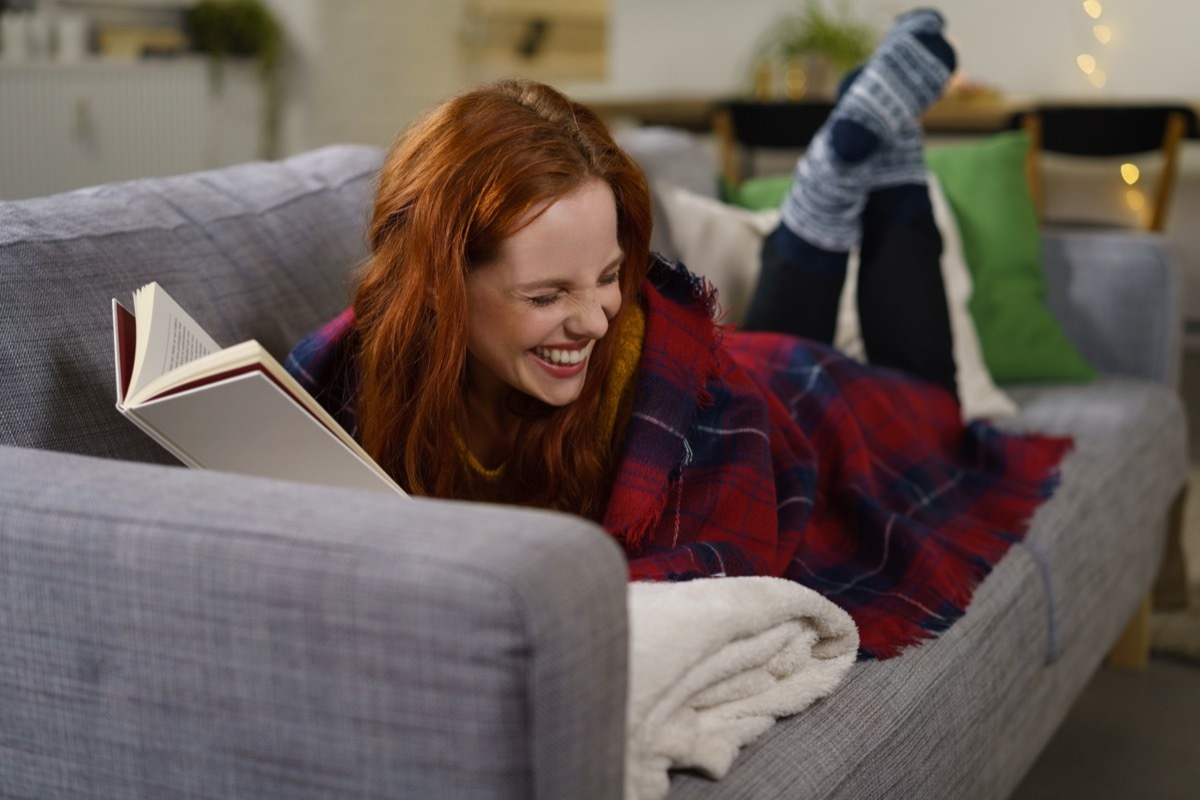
(743, 127)
(1109, 131)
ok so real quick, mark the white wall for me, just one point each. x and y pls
(359, 70)
(367, 66)
(1029, 47)
(382, 63)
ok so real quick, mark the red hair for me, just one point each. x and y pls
(453, 187)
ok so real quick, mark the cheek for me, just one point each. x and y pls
(490, 328)
(505, 330)
(611, 300)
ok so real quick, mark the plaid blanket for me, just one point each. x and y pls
(762, 454)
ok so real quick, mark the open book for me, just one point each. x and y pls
(233, 408)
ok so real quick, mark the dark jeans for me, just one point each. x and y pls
(901, 297)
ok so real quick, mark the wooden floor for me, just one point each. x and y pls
(1131, 736)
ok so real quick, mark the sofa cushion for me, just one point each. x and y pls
(259, 251)
(1129, 461)
(1117, 296)
(672, 157)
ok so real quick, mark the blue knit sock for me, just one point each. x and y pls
(872, 139)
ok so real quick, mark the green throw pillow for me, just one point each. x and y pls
(985, 184)
(758, 194)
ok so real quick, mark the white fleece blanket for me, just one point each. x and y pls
(714, 662)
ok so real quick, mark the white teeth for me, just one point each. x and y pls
(563, 357)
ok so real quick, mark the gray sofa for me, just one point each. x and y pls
(167, 632)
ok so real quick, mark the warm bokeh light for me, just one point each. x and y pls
(1135, 200)
(1103, 34)
(1098, 78)
(1093, 9)
(1086, 63)
(1130, 173)
(795, 82)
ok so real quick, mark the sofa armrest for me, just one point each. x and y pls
(1118, 297)
(166, 631)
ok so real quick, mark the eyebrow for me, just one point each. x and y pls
(554, 283)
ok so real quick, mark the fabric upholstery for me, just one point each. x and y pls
(1129, 463)
(216, 636)
(256, 251)
(677, 162)
(1119, 300)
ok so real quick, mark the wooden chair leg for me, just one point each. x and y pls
(1171, 586)
(1132, 650)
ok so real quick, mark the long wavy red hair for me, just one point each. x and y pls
(452, 188)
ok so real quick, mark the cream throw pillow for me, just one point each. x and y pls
(723, 242)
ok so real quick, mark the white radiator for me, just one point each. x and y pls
(63, 126)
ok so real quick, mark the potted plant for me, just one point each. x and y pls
(243, 29)
(814, 47)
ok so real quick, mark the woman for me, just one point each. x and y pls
(513, 340)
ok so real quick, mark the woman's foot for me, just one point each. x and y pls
(873, 137)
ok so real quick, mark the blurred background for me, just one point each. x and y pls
(99, 90)
(357, 70)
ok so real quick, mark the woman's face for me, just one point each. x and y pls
(536, 310)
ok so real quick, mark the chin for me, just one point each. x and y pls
(559, 400)
(562, 398)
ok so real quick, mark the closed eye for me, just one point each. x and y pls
(544, 300)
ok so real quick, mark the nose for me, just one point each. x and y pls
(591, 317)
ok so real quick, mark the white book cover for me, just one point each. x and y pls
(233, 409)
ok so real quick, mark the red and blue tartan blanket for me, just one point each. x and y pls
(762, 454)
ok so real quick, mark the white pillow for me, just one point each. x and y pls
(723, 243)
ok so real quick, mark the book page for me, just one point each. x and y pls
(167, 337)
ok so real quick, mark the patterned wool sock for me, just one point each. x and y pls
(873, 137)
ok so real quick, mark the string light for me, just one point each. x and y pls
(1087, 63)
(1089, 66)
(1135, 200)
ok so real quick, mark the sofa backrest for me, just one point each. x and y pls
(259, 251)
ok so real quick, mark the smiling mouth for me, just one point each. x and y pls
(559, 357)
